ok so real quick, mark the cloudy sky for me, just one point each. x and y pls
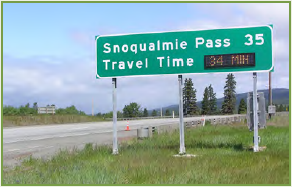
(49, 52)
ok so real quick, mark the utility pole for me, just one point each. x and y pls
(161, 112)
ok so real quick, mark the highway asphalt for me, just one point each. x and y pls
(44, 141)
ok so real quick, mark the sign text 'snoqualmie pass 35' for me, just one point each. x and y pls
(181, 52)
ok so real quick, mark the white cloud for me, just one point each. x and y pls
(281, 49)
(38, 81)
(266, 12)
(200, 24)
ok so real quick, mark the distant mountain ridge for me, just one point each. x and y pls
(279, 96)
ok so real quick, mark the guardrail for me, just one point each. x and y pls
(138, 118)
(189, 123)
(282, 113)
(159, 117)
(156, 117)
(152, 117)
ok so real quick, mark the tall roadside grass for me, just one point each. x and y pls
(44, 119)
(223, 157)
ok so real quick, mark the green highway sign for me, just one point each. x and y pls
(240, 49)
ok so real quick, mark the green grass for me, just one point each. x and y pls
(44, 119)
(223, 158)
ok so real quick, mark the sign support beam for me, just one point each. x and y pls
(115, 133)
(255, 114)
(270, 88)
(182, 149)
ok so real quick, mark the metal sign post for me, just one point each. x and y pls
(270, 88)
(115, 133)
(271, 109)
(255, 114)
(182, 149)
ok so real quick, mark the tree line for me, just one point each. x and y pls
(134, 110)
(282, 108)
(27, 110)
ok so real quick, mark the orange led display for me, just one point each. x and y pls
(229, 60)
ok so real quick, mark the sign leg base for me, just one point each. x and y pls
(260, 148)
(185, 155)
(182, 151)
(115, 152)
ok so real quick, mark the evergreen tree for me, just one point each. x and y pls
(212, 101)
(189, 98)
(281, 108)
(154, 113)
(277, 108)
(167, 112)
(242, 107)
(120, 114)
(205, 102)
(228, 105)
(35, 105)
(145, 113)
(193, 102)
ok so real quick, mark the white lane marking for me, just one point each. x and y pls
(31, 147)
(47, 137)
(79, 128)
(80, 134)
(136, 123)
(37, 138)
(67, 135)
(11, 141)
(48, 147)
(62, 136)
(106, 131)
(13, 150)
